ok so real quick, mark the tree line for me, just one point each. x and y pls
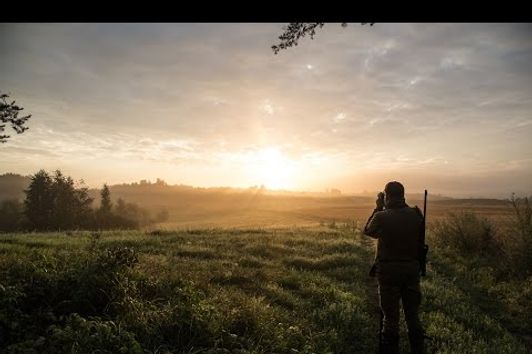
(54, 202)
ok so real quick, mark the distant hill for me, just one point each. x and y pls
(188, 206)
(161, 194)
(12, 186)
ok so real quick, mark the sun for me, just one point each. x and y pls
(273, 169)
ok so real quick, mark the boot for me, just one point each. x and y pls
(389, 344)
(417, 343)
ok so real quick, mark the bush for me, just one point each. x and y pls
(80, 335)
(471, 235)
(332, 224)
(11, 215)
(466, 233)
(43, 291)
(520, 245)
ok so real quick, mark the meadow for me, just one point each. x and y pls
(274, 161)
(237, 290)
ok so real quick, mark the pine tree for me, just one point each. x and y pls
(64, 210)
(105, 215)
(106, 204)
(38, 204)
(54, 203)
(84, 215)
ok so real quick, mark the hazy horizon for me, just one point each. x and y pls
(80, 182)
(446, 107)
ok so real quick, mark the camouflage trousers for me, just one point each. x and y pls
(399, 281)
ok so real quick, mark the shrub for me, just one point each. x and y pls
(11, 216)
(80, 335)
(520, 245)
(466, 233)
(332, 224)
(42, 290)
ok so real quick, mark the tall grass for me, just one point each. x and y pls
(491, 261)
(466, 233)
(224, 291)
(521, 235)
(507, 244)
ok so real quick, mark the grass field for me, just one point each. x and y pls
(260, 211)
(288, 290)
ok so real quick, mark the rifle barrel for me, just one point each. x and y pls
(425, 207)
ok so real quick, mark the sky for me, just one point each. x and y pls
(443, 107)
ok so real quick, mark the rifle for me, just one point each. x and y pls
(381, 328)
(424, 248)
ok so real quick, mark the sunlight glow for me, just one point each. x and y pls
(270, 167)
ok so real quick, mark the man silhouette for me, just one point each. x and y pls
(397, 227)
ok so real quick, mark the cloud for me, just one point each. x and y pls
(339, 117)
(181, 93)
(268, 107)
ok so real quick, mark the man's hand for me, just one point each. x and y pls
(380, 201)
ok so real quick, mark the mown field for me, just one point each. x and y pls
(288, 290)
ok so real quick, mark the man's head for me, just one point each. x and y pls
(394, 191)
